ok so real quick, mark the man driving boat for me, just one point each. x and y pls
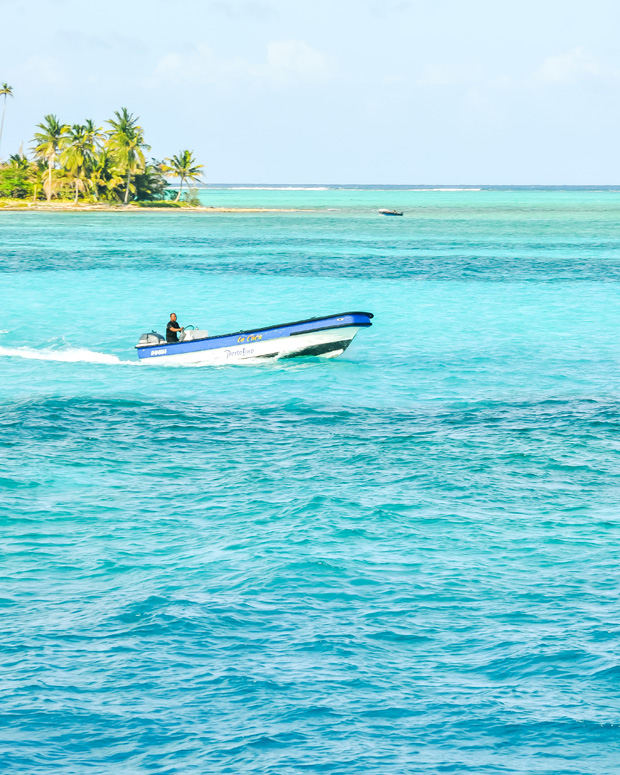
(173, 329)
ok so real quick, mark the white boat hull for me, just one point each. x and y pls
(323, 344)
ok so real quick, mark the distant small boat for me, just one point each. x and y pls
(391, 212)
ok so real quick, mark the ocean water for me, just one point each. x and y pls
(403, 560)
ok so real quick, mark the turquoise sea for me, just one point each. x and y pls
(403, 560)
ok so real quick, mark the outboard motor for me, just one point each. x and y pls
(152, 338)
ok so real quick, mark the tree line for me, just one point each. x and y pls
(95, 163)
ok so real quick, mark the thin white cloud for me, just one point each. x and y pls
(286, 62)
(294, 59)
(199, 66)
(392, 79)
(239, 9)
(386, 8)
(122, 45)
(570, 67)
(46, 71)
(451, 75)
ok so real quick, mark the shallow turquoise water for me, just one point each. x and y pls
(402, 560)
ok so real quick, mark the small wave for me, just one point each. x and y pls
(70, 355)
(278, 188)
(4, 331)
(444, 189)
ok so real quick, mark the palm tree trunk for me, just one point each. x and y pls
(49, 178)
(2, 124)
(179, 194)
(127, 188)
(77, 183)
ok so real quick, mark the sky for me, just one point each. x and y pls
(333, 91)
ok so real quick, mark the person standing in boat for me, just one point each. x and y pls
(173, 329)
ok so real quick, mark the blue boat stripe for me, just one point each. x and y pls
(328, 328)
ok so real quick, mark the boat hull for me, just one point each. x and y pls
(318, 337)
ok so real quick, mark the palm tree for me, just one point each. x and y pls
(48, 143)
(96, 137)
(79, 152)
(105, 178)
(19, 162)
(95, 132)
(126, 141)
(183, 167)
(5, 91)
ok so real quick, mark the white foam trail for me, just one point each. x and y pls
(70, 355)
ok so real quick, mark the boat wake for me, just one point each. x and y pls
(68, 355)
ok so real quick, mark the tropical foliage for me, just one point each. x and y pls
(94, 164)
(14, 177)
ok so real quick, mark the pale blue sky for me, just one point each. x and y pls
(338, 91)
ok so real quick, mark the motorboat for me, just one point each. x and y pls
(391, 212)
(325, 337)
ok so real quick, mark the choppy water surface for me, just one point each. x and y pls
(402, 560)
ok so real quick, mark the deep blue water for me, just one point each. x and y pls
(404, 560)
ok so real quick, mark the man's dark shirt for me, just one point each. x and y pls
(171, 336)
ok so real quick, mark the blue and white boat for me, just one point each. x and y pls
(325, 337)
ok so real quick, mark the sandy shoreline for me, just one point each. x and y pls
(108, 208)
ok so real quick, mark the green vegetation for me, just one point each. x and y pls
(160, 203)
(14, 178)
(85, 162)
